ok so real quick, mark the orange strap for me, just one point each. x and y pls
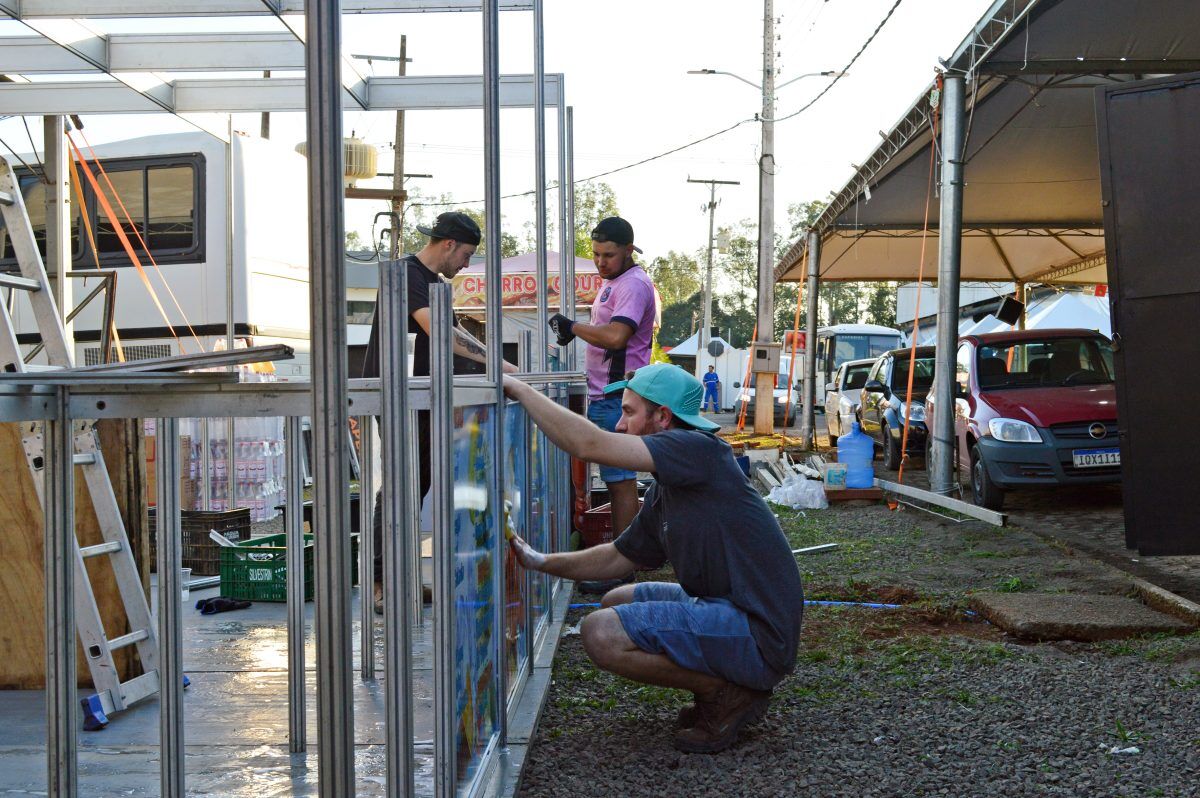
(912, 352)
(77, 187)
(119, 229)
(741, 422)
(145, 246)
(792, 362)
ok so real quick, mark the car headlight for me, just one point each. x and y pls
(781, 400)
(1012, 431)
(916, 412)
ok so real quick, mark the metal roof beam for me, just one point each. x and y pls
(175, 52)
(74, 9)
(1088, 66)
(250, 95)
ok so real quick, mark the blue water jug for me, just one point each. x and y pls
(857, 451)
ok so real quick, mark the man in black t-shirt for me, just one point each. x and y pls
(452, 241)
(728, 631)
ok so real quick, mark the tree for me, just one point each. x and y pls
(354, 241)
(677, 277)
(881, 304)
(593, 202)
(423, 211)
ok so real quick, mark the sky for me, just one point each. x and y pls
(625, 64)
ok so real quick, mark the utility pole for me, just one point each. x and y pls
(706, 329)
(764, 381)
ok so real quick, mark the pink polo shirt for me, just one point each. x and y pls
(627, 299)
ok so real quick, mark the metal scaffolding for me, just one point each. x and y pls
(65, 44)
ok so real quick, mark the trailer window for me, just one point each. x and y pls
(34, 192)
(161, 200)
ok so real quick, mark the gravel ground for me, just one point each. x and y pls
(918, 701)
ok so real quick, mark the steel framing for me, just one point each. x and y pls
(67, 45)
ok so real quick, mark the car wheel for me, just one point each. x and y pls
(891, 449)
(985, 492)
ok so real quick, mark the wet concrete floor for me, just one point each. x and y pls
(236, 718)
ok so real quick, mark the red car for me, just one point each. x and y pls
(1033, 407)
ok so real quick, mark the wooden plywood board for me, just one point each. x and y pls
(22, 609)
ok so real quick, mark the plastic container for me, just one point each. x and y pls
(834, 476)
(256, 570)
(857, 451)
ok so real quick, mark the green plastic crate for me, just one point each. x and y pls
(256, 570)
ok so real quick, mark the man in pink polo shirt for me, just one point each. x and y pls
(619, 339)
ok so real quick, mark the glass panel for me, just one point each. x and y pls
(540, 533)
(129, 188)
(172, 218)
(516, 631)
(475, 603)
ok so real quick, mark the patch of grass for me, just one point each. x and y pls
(981, 553)
(1008, 745)
(1014, 584)
(1125, 735)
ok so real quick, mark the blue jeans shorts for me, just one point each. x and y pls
(605, 413)
(706, 635)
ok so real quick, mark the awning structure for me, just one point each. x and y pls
(1031, 204)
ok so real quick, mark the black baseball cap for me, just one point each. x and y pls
(454, 225)
(616, 230)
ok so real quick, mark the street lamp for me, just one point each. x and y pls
(764, 400)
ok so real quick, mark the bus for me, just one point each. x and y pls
(842, 342)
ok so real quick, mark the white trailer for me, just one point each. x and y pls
(218, 244)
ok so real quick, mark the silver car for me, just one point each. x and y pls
(842, 397)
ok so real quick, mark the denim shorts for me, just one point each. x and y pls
(700, 634)
(605, 413)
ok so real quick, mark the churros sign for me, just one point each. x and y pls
(519, 290)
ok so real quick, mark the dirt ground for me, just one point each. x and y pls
(924, 700)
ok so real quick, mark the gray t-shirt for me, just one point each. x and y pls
(704, 517)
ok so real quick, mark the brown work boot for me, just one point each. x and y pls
(719, 718)
(379, 598)
(688, 715)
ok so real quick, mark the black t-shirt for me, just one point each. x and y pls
(419, 280)
(705, 518)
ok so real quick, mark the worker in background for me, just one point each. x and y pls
(711, 381)
(728, 631)
(453, 239)
(619, 339)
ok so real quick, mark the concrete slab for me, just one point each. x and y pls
(1061, 616)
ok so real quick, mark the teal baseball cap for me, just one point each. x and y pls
(669, 386)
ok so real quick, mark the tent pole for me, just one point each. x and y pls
(943, 476)
(808, 426)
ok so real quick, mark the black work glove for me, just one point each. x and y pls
(561, 326)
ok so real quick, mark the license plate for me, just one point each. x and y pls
(1094, 458)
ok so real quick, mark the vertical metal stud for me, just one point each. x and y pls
(808, 424)
(62, 777)
(568, 245)
(294, 442)
(398, 553)
(330, 416)
(441, 420)
(366, 546)
(539, 160)
(170, 610)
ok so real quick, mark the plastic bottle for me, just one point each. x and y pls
(857, 451)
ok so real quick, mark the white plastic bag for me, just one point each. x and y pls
(799, 493)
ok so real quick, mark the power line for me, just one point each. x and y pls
(595, 176)
(756, 118)
(841, 74)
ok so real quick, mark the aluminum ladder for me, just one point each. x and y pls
(112, 695)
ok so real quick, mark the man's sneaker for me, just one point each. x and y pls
(688, 715)
(720, 717)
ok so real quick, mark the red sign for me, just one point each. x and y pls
(519, 290)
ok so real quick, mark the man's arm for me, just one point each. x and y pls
(598, 562)
(614, 335)
(465, 344)
(578, 436)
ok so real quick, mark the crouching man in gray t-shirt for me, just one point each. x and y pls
(729, 630)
